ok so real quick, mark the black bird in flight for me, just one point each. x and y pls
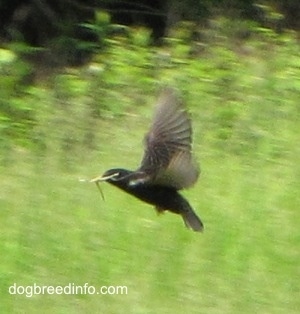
(167, 165)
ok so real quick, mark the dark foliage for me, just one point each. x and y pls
(61, 25)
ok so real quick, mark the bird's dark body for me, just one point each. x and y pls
(167, 165)
(162, 197)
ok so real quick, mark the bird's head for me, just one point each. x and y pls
(118, 177)
(112, 175)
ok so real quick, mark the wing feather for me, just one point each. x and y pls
(167, 158)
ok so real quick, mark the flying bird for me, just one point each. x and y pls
(167, 165)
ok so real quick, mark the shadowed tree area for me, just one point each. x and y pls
(72, 29)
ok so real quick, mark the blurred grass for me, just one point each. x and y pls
(56, 230)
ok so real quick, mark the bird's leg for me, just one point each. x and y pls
(159, 210)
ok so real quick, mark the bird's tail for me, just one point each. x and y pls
(191, 220)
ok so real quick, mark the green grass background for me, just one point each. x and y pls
(56, 230)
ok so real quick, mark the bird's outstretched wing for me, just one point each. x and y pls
(167, 158)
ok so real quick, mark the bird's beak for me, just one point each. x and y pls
(103, 178)
(99, 179)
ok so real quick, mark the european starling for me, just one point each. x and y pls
(167, 165)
